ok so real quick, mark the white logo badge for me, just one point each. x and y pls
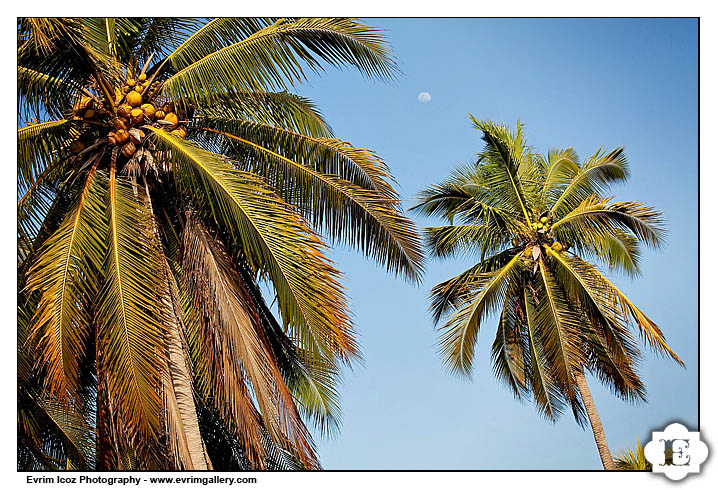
(676, 452)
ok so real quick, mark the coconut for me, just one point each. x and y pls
(124, 110)
(544, 219)
(134, 99)
(149, 110)
(557, 246)
(171, 118)
(118, 123)
(111, 139)
(89, 113)
(122, 135)
(169, 107)
(142, 77)
(160, 114)
(139, 89)
(129, 149)
(130, 82)
(137, 116)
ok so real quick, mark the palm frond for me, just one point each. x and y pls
(559, 329)
(594, 177)
(276, 109)
(460, 331)
(132, 329)
(38, 145)
(643, 221)
(364, 218)
(503, 155)
(220, 298)
(547, 394)
(66, 274)
(272, 58)
(274, 240)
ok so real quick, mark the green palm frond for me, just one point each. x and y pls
(594, 177)
(328, 156)
(648, 330)
(272, 58)
(131, 326)
(363, 217)
(39, 92)
(508, 351)
(633, 461)
(461, 329)
(503, 155)
(212, 36)
(644, 222)
(282, 110)
(66, 274)
(558, 169)
(546, 392)
(279, 244)
(162, 35)
(612, 349)
(38, 145)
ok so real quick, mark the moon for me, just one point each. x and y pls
(424, 97)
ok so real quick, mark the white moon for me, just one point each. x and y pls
(424, 97)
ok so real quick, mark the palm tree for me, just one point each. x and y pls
(630, 461)
(168, 183)
(532, 222)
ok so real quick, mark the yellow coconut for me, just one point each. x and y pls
(122, 136)
(544, 219)
(149, 110)
(137, 116)
(171, 118)
(124, 110)
(160, 114)
(142, 77)
(134, 99)
(139, 89)
(118, 123)
(130, 82)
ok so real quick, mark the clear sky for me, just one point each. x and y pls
(579, 83)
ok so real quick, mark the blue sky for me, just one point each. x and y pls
(572, 82)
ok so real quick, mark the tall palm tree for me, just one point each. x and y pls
(167, 181)
(533, 222)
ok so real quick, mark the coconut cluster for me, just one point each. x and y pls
(542, 225)
(134, 106)
(542, 228)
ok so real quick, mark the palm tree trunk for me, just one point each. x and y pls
(182, 392)
(595, 420)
